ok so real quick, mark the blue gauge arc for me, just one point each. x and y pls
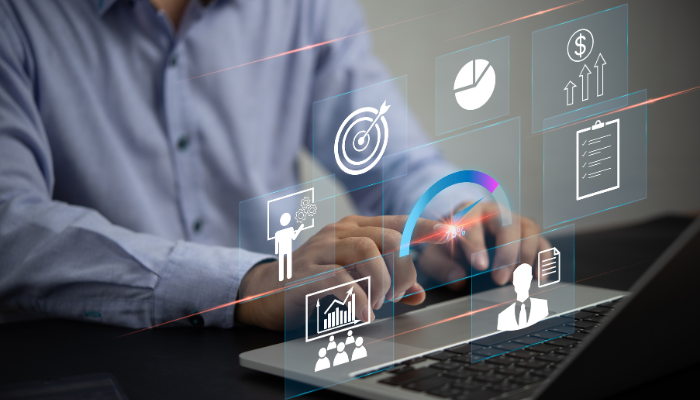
(466, 176)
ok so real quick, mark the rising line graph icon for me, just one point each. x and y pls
(339, 315)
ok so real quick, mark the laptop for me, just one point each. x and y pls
(618, 340)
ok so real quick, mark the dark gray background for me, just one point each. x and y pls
(560, 202)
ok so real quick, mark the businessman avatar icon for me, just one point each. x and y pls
(283, 244)
(526, 310)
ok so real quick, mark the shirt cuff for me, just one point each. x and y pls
(197, 278)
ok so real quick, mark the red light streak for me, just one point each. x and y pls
(517, 19)
(278, 290)
(253, 297)
(650, 101)
(446, 222)
(205, 311)
(313, 46)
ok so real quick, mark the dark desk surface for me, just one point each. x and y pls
(203, 363)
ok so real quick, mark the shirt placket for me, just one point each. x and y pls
(182, 136)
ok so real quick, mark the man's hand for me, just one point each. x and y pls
(445, 262)
(350, 241)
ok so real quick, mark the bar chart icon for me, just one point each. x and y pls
(339, 315)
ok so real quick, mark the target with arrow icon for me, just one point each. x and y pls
(362, 139)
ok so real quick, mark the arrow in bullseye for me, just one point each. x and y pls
(382, 110)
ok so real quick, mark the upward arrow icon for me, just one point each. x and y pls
(570, 93)
(584, 75)
(337, 301)
(318, 310)
(599, 64)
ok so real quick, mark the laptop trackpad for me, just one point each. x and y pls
(438, 326)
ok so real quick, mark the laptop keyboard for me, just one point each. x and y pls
(452, 374)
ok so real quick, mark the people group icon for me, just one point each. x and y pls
(323, 362)
(526, 310)
(341, 355)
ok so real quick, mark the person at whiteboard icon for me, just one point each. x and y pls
(283, 244)
(526, 310)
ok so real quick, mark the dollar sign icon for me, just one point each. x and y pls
(580, 45)
(579, 42)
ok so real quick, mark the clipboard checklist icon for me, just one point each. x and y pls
(597, 159)
(548, 267)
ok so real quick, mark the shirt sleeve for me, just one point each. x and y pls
(66, 261)
(349, 64)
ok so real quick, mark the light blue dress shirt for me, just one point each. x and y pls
(120, 178)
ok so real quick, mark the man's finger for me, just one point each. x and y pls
(506, 256)
(362, 255)
(544, 244)
(377, 234)
(404, 272)
(437, 262)
(473, 242)
(424, 231)
(530, 245)
(402, 275)
(383, 284)
(414, 295)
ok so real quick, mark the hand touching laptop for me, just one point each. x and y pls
(360, 242)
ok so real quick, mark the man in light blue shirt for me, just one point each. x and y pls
(120, 177)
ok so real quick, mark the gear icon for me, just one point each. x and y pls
(300, 216)
(311, 209)
(307, 208)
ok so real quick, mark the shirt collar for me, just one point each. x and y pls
(526, 302)
(103, 5)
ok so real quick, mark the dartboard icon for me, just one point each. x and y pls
(362, 139)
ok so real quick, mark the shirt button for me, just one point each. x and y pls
(197, 226)
(196, 320)
(173, 60)
(183, 142)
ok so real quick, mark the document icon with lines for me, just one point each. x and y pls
(548, 267)
(597, 159)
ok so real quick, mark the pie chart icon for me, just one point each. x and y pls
(474, 84)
